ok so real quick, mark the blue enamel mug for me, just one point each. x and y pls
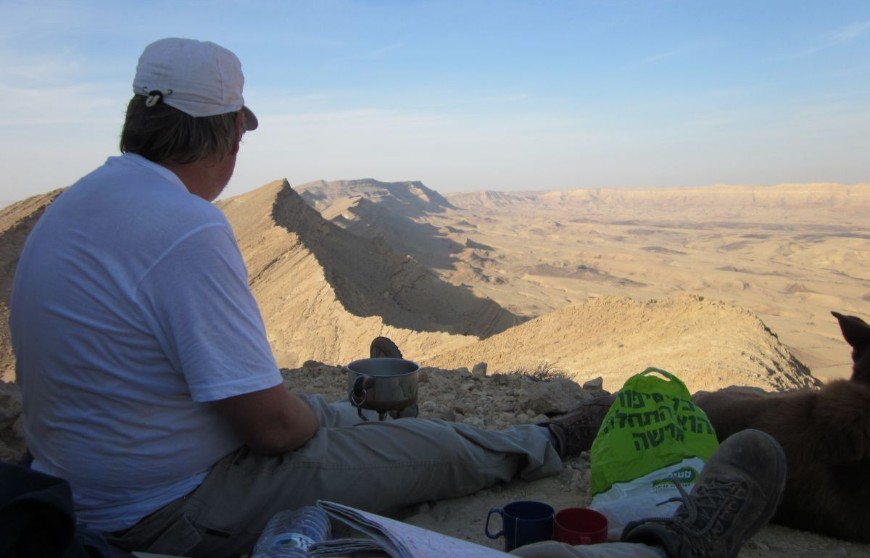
(523, 522)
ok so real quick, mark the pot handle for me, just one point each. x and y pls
(360, 386)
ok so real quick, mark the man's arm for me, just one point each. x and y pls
(270, 421)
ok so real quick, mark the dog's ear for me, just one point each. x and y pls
(856, 332)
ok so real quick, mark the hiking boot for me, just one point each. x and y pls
(737, 493)
(383, 347)
(575, 431)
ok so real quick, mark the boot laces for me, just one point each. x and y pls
(706, 517)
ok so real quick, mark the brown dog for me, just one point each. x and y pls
(826, 436)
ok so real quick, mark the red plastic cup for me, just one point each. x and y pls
(579, 526)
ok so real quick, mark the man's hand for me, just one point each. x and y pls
(270, 421)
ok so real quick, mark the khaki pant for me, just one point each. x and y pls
(375, 466)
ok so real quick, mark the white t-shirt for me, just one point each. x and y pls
(130, 312)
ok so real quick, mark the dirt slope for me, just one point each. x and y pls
(325, 293)
(708, 344)
(16, 220)
(395, 212)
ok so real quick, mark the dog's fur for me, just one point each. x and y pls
(825, 434)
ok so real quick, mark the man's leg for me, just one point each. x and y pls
(376, 466)
(337, 413)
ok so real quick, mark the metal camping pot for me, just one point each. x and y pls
(382, 384)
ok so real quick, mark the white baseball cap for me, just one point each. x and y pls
(199, 78)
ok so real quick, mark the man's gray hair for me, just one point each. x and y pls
(163, 134)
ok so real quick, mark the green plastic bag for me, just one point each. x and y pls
(652, 435)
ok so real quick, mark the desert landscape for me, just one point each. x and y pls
(513, 301)
(790, 253)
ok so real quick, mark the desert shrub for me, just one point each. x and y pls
(545, 371)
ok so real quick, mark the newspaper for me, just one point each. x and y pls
(380, 536)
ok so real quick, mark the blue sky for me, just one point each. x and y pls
(465, 95)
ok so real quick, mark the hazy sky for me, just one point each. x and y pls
(466, 94)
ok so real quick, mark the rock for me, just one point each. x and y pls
(10, 404)
(555, 396)
(596, 384)
(479, 369)
(475, 421)
(11, 427)
(432, 410)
